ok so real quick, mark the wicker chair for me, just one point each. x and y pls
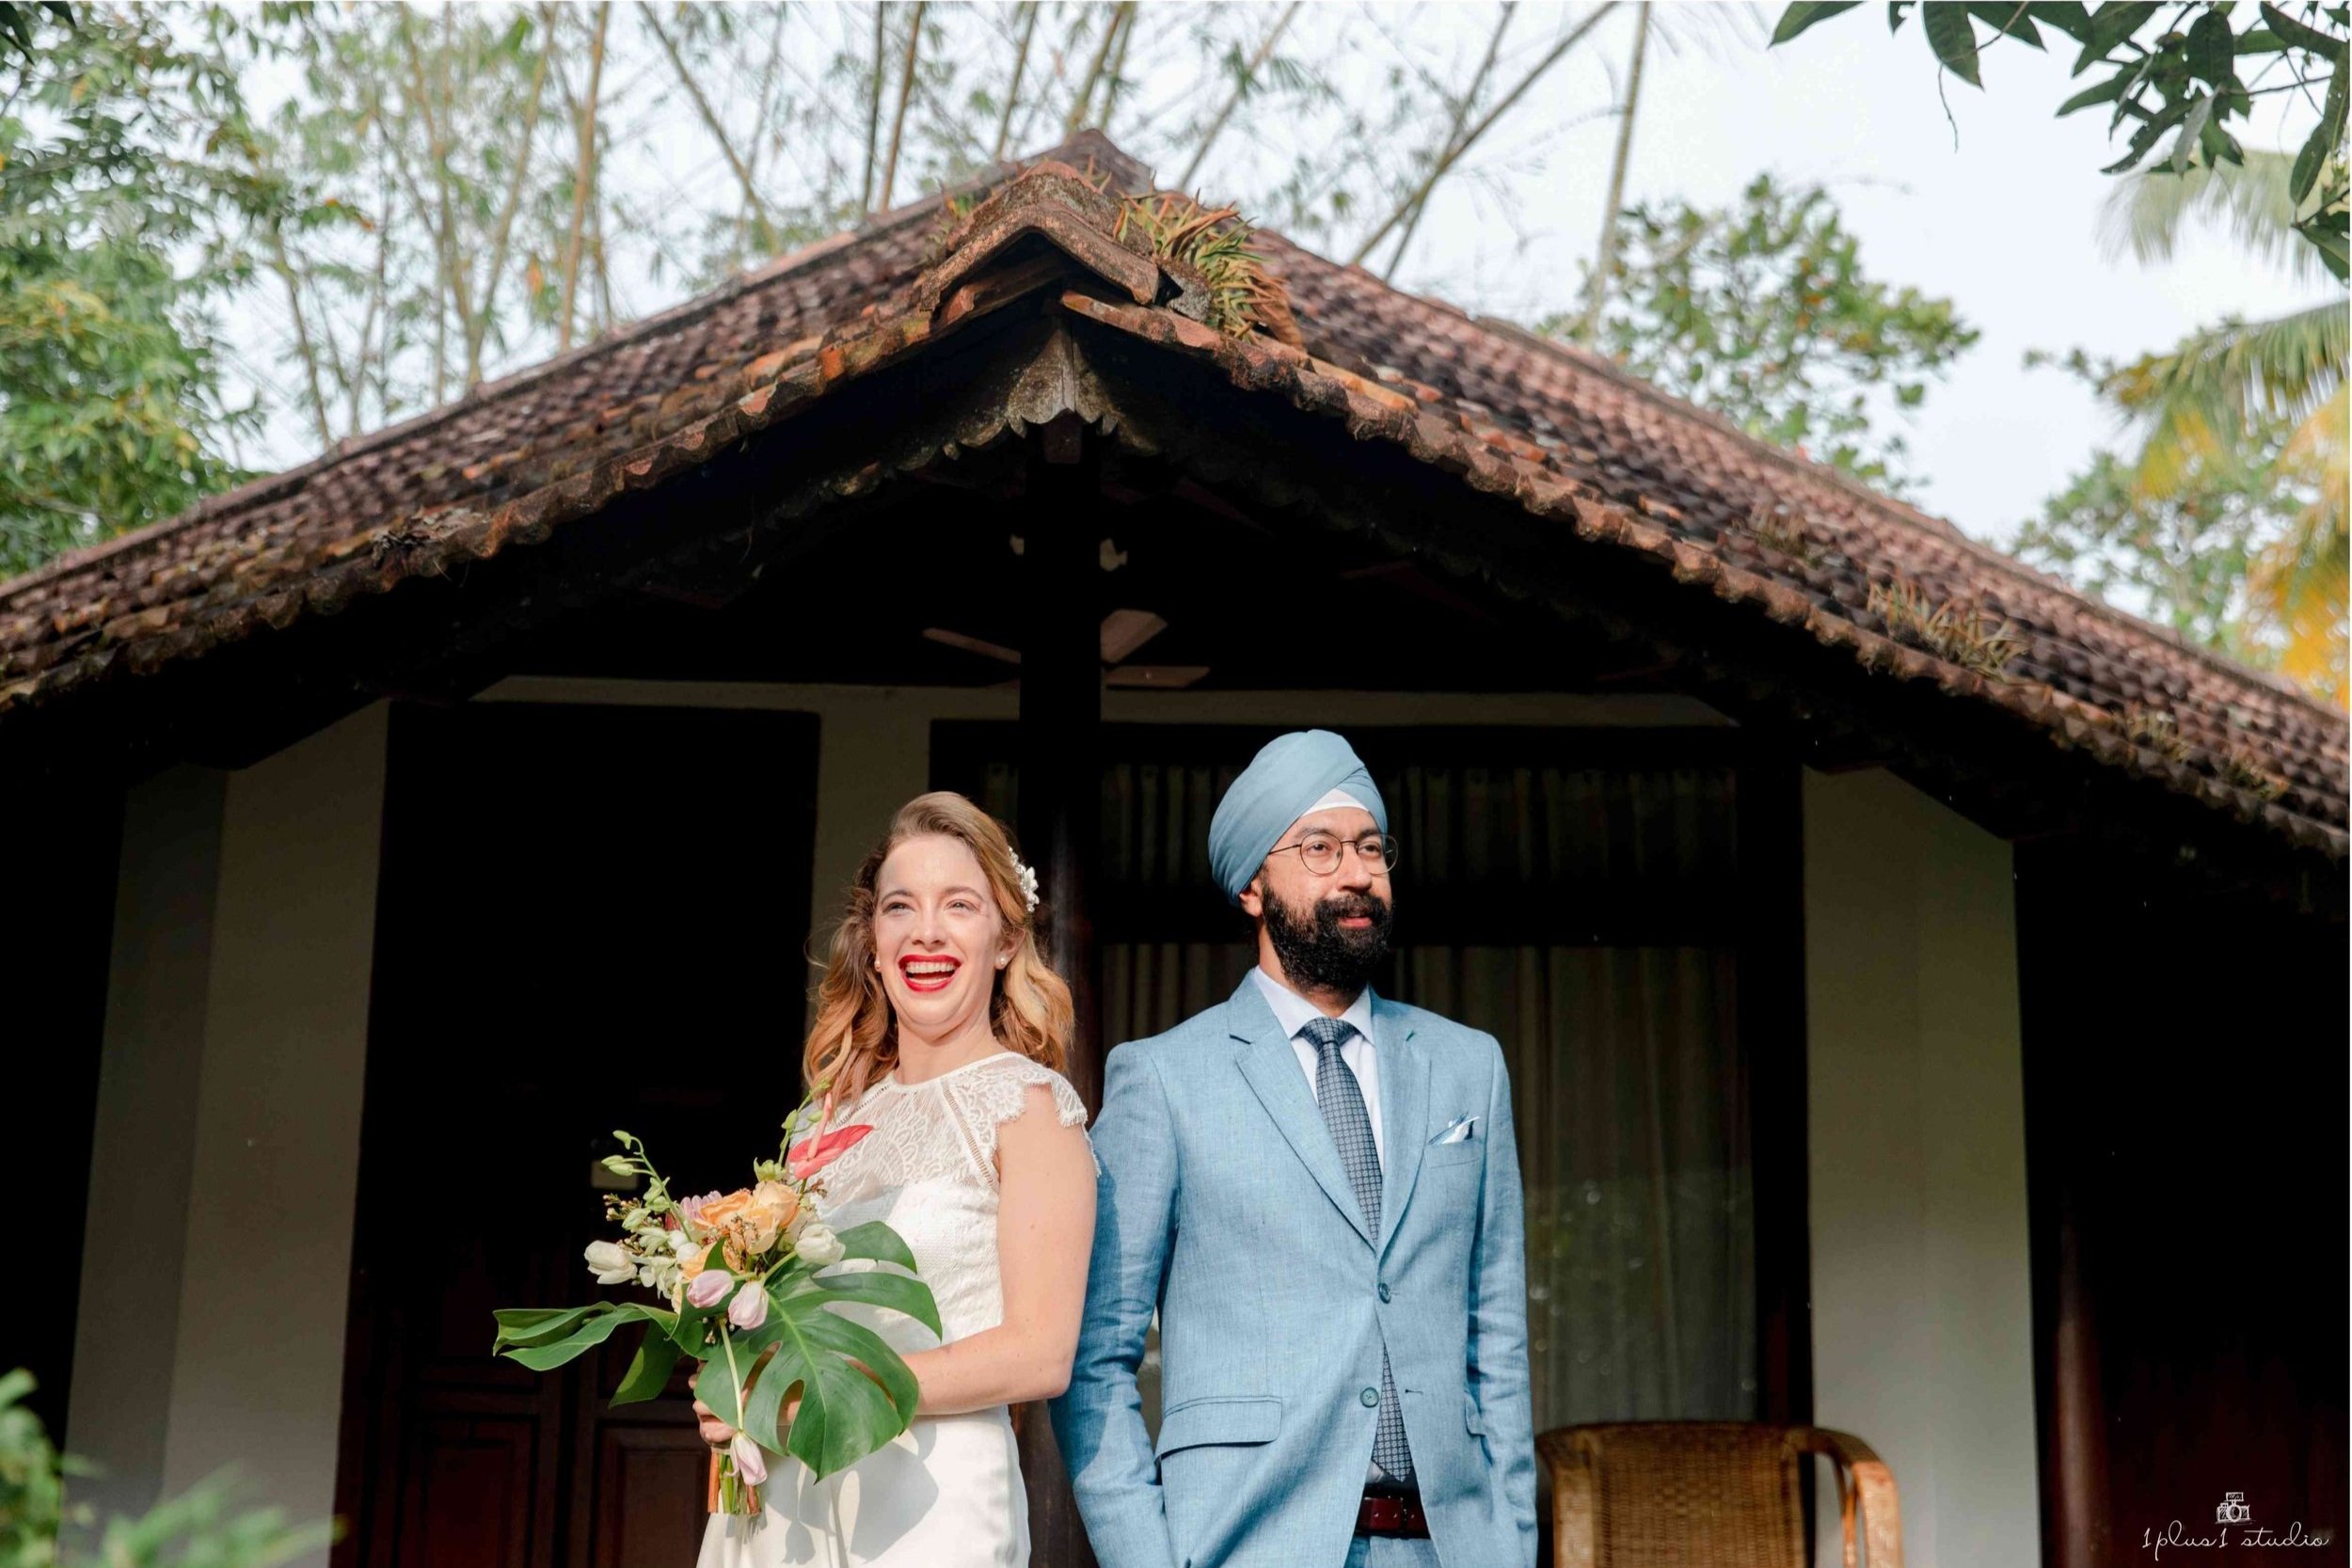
(1706, 1494)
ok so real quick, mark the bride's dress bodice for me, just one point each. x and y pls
(929, 1171)
(947, 1491)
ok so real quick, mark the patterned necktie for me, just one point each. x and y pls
(1341, 1101)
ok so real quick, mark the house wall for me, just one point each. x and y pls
(236, 1042)
(228, 1136)
(1922, 1327)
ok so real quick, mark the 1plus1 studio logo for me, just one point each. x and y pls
(2232, 1526)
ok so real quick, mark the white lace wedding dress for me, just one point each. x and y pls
(948, 1493)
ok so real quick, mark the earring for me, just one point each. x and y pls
(1000, 963)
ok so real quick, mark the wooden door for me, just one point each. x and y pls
(589, 918)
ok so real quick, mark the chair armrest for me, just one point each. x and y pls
(1864, 1482)
(1568, 1456)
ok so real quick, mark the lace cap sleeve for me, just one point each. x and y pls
(998, 1092)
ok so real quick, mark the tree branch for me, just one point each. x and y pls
(711, 122)
(1453, 134)
(1599, 293)
(1241, 90)
(1438, 170)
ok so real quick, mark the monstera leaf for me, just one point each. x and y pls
(856, 1394)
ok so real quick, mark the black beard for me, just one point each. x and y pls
(1320, 953)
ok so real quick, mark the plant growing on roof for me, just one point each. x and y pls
(1958, 633)
(1210, 244)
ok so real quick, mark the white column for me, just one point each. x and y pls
(1922, 1318)
(257, 1376)
(144, 1136)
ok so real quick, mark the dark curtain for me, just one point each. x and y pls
(1579, 912)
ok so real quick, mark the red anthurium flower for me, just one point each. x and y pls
(811, 1156)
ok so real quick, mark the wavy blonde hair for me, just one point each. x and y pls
(854, 1040)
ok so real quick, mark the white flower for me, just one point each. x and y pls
(682, 1245)
(819, 1246)
(610, 1263)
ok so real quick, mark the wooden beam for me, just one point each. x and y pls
(1060, 829)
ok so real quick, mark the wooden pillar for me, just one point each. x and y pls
(1060, 828)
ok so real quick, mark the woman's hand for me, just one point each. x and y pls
(716, 1432)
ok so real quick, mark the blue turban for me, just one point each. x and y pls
(1281, 786)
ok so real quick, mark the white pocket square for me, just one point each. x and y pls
(1458, 1131)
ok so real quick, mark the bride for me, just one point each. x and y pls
(946, 1030)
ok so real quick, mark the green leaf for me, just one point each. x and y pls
(534, 1325)
(2110, 25)
(1954, 40)
(2069, 17)
(2106, 92)
(876, 1241)
(2012, 17)
(2323, 141)
(593, 1332)
(2191, 128)
(2302, 36)
(649, 1373)
(2210, 49)
(844, 1414)
(2332, 247)
(897, 1291)
(1801, 14)
(1896, 11)
(2145, 138)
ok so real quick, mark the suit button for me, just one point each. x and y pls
(1384, 1295)
(1370, 1397)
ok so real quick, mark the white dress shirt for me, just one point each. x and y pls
(1294, 1012)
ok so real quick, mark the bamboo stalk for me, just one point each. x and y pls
(1241, 90)
(710, 121)
(1607, 258)
(873, 116)
(1454, 132)
(1438, 170)
(478, 329)
(584, 177)
(1012, 93)
(1085, 101)
(1117, 77)
(906, 93)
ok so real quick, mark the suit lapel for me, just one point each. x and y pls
(1404, 1113)
(1272, 1070)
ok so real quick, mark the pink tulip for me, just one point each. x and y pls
(749, 1309)
(709, 1288)
(811, 1156)
(751, 1466)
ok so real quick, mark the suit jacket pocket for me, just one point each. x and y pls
(1218, 1418)
(1464, 1152)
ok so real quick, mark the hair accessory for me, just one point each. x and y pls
(1028, 882)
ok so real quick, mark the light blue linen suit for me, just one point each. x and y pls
(1222, 1203)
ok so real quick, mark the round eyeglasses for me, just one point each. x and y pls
(1321, 852)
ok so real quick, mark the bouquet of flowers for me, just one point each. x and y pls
(741, 1277)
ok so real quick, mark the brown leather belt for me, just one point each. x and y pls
(1387, 1513)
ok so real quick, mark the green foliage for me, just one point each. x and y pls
(1762, 313)
(2178, 74)
(201, 1529)
(118, 215)
(2179, 553)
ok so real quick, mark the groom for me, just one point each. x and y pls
(1316, 1189)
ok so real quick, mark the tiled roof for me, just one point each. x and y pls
(1568, 436)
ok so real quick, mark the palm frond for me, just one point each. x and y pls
(2221, 379)
(2302, 584)
(2147, 212)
